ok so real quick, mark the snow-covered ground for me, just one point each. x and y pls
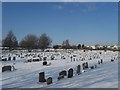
(27, 74)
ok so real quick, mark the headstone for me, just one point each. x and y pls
(35, 60)
(6, 68)
(86, 65)
(70, 73)
(83, 65)
(60, 77)
(14, 58)
(74, 59)
(4, 59)
(29, 60)
(44, 58)
(92, 67)
(101, 61)
(42, 77)
(112, 60)
(78, 69)
(49, 80)
(95, 66)
(98, 62)
(64, 73)
(45, 63)
(71, 58)
(9, 58)
(52, 57)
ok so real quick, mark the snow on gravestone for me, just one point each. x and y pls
(70, 73)
(42, 77)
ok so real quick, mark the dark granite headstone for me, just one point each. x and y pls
(49, 80)
(112, 60)
(42, 77)
(29, 60)
(44, 63)
(4, 59)
(92, 67)
(70, 73)
(6, 68)
(9, 58)
(64, 73)
(83, 65)
(78, 69)
(101, 61)
(14, 58)
(44, 58)
(60, 77)
(34, 60)
(86, 65)
(98, 62)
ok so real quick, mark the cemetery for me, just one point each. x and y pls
(61, 69)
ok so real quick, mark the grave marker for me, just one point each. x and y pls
(70, 73)
(49, 80)
(42, 77)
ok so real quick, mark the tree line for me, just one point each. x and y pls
(31, 41)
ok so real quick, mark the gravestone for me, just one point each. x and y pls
(52, 57)
(6, 68)
(42, 77)
(9, 58)
(14, 58)
(45, 63)
(29, 60)
(101, 61)
(98, 62)
(64, 73)
(70, 73)
(44, 58)
(74, 59)
(83, 65)
(71, 58)
(92, 67)
(4, 59)
(112, 60)
(78, 69)
(86, 65)
(60, 77)
(49, 80)
(34, 60)
(95, 66)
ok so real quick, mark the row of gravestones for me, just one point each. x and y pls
(40, 59)
(9, 59)
(62, 74)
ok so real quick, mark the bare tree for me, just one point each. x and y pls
(44, 41)
(29, 42)
(79, 46)
(10, 41)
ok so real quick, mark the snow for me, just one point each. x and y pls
(27, 74)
